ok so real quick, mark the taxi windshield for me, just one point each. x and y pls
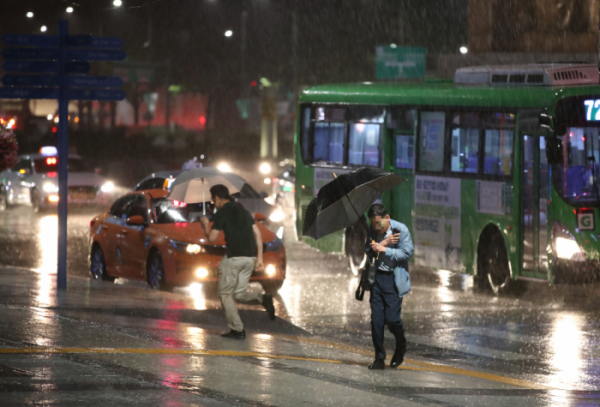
(50, 164)
(167, 211)
(577, 177)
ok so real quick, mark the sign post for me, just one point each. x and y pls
(56, 59)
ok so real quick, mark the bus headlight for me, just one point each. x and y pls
(108, 187)
(277, 216)
(202, 272)
(564, 244)
(50, 187)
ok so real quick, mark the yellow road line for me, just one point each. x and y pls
(155, 351)
(424, 366)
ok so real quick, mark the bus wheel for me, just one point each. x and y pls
(356, 236)
(493, 262)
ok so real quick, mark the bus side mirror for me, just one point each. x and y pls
(554, 150)
(546, 122)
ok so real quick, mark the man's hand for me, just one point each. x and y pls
(377, 247)
(259, 266)
(391, 240)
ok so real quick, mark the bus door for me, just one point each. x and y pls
(535, 183)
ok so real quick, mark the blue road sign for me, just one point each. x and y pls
(95, 81)
(72, 41)
(28, 93)
(62, 87)
(95, 94)
(30, 53)
(31, 80)
(44, 67)
(29, 39)
(96, 55)
(88, 41)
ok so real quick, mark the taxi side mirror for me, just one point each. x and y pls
(259, 217)
(136, 220)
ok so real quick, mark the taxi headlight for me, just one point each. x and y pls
(193, 248)
(270, 270)
(50, 187)
(185, 247)
(202, 272)
(108, 187)
(277, 216)
(565, 246)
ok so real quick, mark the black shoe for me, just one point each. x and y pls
(235, 334)
(268, 304)
(378, 364)
(398, 358)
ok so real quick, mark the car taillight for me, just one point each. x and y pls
(92, 223)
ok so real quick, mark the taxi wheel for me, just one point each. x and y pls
(156, 273)
(271, 287)
(98, 266)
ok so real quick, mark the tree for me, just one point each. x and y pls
(8, 149)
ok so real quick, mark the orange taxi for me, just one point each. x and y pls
(145, 236)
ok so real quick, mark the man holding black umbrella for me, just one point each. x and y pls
(390, 242)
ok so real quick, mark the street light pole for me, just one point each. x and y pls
(243, 51)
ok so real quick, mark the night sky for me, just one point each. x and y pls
(336, 38)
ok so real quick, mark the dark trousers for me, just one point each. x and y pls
(385, 310)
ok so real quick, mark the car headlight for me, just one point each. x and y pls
(185, 247)
(50, 187)
(273, 246)
(202, 272)
(108, 187)
(277, 216)
(270, 270)
(564, 244)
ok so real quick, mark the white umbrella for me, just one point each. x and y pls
(194, 186)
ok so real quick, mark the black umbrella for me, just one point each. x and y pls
(340, 203)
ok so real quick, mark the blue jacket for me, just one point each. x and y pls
(396, 256)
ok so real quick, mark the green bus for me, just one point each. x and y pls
(501, 167)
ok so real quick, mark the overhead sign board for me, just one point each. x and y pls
(44, 67)
(28, 93)
(36, 40)
(54, 80)
(400, 62)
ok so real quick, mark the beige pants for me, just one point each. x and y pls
(234, 275)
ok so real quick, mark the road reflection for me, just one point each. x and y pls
(566, 345)
(48, 241)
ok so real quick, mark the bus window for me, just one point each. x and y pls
(305, 134)
(577, 182)
(405, 151)
(329, 142)
(465, 150)
(401, 118)
(498, 152)
(431, 154)
(364, 144)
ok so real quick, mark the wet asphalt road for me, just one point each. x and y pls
(539, 345)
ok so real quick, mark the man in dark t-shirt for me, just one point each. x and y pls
(244, 254)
